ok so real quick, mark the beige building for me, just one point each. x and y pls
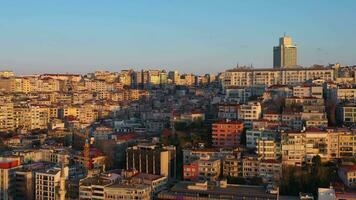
(301, 147)
(285, 55)
(347, 113)
(232, 167)
(308, 91)
(250, 111)
(39, 117)
(6, 116)
(267, 149)
(128, 191)
(268, 76)
(209, 168)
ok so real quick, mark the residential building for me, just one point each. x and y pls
(346, 113)
(226, 133)
(129, 191)
(228, 111)
(8, 169)
(209, 168)
(348, 175)
(268, 149)
(280, 76)
(222, 190)
(308, 91)
(232, 166)
(49, 183)
(250, 111)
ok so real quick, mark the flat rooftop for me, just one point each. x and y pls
(233, 190)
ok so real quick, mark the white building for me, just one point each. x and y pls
(250, 111)
(48, 183)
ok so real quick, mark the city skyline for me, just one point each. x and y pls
(199, 38)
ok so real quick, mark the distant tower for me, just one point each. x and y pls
(285, 54)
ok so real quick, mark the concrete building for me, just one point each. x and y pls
(232, 166)
(6, 116)
(129, 191)
(209, 168)
(308, 91)
(346, 113)
(227, 133)
(49, 184)
(217, 190)
(228, 111)
(250, 111)
(267, 77)
(151, 159)
(285, 54)
(93, 187)
(268, 149)
(8, 169)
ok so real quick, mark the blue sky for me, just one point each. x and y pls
(197, 36)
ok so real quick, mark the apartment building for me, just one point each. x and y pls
(346, 94)
(129, 191)
(237, 94)
(39, 117)
(301, 147)
(227, 133)
(346, 113)
(49, 183)
(6, 116)
(232, 166)
(281, 76)
(228, 111)
(308, 91)
(254, 134)
(270, 170)
(293, 148)
(250, 167)
(250, 111)
(8, 169)
(191, 171)
(209, 168)
(93, 187)
(348, 175)
(268, 149)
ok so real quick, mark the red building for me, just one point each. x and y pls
(227, 133)
(191, 171)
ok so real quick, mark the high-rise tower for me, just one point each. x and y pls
(285, 55)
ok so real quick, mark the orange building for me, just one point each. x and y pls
(227, 133)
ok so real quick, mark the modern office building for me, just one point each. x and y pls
(285, 54)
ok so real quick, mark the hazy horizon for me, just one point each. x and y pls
(200, 37)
